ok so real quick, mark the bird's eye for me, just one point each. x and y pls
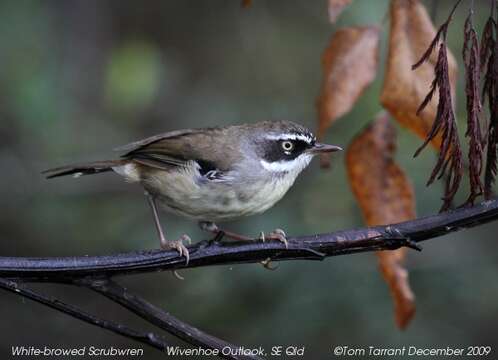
(287, 146)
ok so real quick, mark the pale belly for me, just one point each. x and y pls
(179, 193)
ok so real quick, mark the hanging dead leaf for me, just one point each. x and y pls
(336, 7)
(411, 33)
(385, 196)
(349, 66)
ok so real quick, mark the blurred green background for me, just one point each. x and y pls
(78, 78)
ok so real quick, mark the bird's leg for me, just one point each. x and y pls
(277, 234)
(219, 233)
(167, 244)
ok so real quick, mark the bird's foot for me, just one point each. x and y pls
(178, 246)
(220, 233)
(277, 234)
(212, 228)
(209, 227)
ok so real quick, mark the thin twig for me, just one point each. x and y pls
(162, 319)
(148, 338)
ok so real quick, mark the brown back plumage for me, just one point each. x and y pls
(217, 148)
(177, 147)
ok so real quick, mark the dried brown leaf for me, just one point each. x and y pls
(471, 59)
(411, 33)
(449, 163)
(336, 7)
(385, 196)
(349, 66)
(487, 42)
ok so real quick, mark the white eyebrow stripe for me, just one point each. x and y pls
(301, 137)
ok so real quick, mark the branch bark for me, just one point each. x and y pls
(159, 317)
(95, 272)
(311, 247)
(148, 338)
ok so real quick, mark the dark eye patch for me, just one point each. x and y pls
(299, 146)
(275, 151)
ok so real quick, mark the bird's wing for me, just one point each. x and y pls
(155, 152)
(177, 148)
(136, 145)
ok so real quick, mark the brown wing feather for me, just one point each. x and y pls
(176, 148)
(128, 148)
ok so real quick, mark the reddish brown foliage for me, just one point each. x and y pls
(349, 66)
(246, 3)
(474, 108)
(449, 162)
(411, 32)
(385, 196)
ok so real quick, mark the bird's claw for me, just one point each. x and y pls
(280, 235)
(267, 265)
(178, 246)
(185, 238)
(177, 275)
(277, 234)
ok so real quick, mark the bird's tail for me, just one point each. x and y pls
(89, 168)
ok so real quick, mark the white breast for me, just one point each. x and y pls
(180, 191)
(268, 193)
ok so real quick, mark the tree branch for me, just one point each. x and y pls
(312, 247)
(135, 304)
(148, 338)
(94, 272)
(159, 317)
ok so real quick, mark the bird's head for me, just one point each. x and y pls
(285, 147)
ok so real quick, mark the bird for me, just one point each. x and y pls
(213, 174)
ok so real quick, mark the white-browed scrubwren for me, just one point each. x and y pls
(213, 174)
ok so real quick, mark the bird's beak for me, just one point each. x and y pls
(324, 148)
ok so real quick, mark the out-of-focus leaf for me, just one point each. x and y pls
(385, 196)
(246, 3)
(133, 75)
(336, 7)
(411, 33)
(349, 66)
